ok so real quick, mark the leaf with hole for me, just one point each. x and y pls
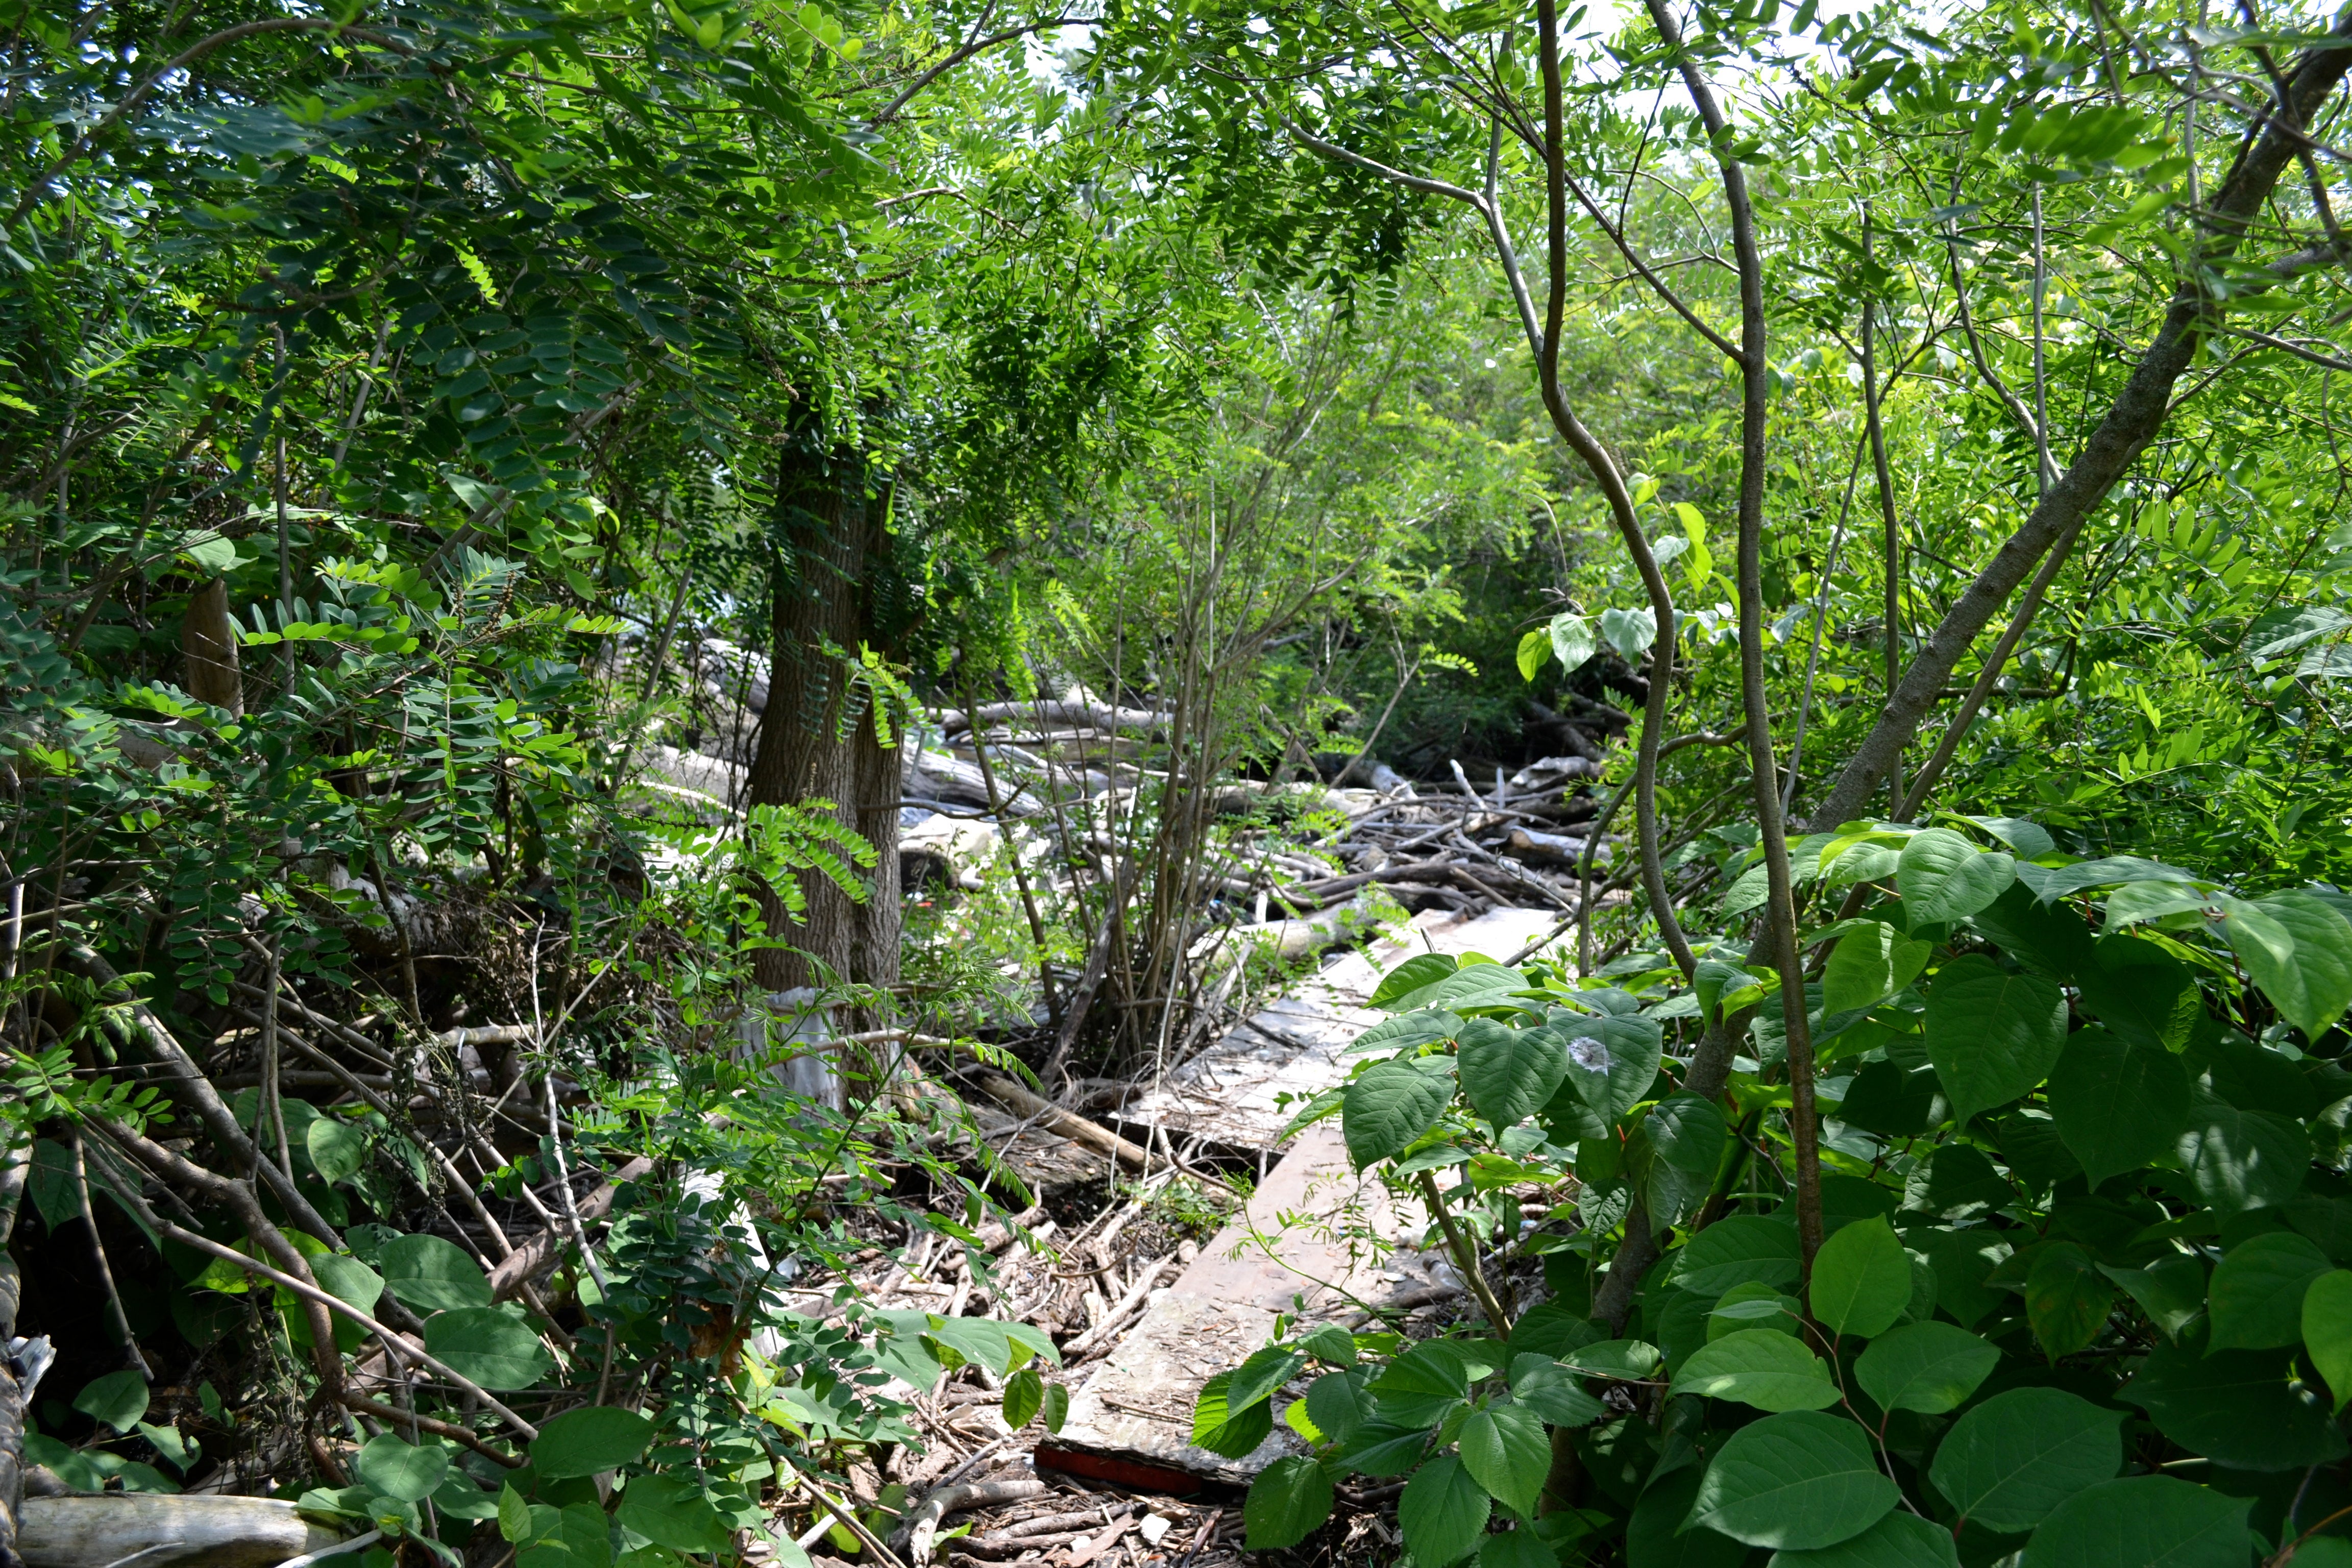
(1793, 1481)
(2008, 1462)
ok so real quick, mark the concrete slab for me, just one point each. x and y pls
(1234, 1091)
(1308, 1244)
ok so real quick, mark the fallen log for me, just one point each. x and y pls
(151, 1530)
(916, 1530)
(1078, 1129)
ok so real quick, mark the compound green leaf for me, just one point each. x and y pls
(1336, 1404)
(1236, 1434)
(1506, 1450)
(1289, 1500)
(1444, 1512)
(2011, 1460)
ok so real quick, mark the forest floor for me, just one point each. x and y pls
(1119, 1484)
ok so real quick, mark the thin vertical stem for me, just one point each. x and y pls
(1891, 527)
(2047, 474)
(274, 1101)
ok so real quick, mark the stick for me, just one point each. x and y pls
(1144, 1283)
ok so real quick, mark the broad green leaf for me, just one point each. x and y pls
(2241, 1160)
(1002, 1346)
(393, 1469)
(1236, 1434)
(1506, 1450)
(1870, 963)
(1630, 632)
(1993, 1035)
(1927, 1366)
(2327, 1331)
(1056, 1408)
(118, 1399)
(1552, 1392)
(2117, 1105)
(1901, 1540)
(1736, 1250)
(2143, 1521)
(1404, 1031)
(1552, 1330)
(1532, 648)
(2243, 1409)
(1024, 1395)
(2170, 1290)
(1761, 1367)
(492, 1346)
(1420, 1387)
(1389, 1106)
(1288, 1501)
(1612, 1061)
(1753, 1305)
(338, 1148)
(1421, 970)
(1509, 1074)
(514, 1516)
(589, 1440)
(1943, 878)
(2011, 1460)
(1572, 641)
(1383, 1449)
(1627, 1359)
(2256, 1295)
(671, 1512)
(1444, 1512)
(2139, 990)
(1520, 1548)
(2299, 951)
(1336, 1404)
(1674, 1155)
(1266, 1371)
(1330, 1345)
(1793, 1481)
(1655, 1537)
(2066, 1300)
(427, 1274)
(1862, 1279)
